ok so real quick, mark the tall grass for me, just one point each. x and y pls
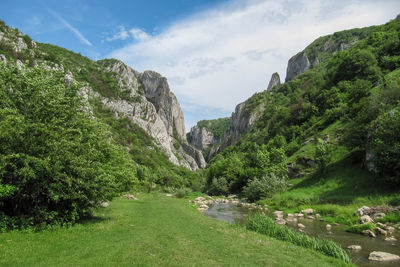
(263, 224)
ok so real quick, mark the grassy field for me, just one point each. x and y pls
(153, 231)
(336, 194)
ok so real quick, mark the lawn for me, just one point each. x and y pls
(155, 230)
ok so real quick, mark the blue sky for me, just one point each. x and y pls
(215, 54)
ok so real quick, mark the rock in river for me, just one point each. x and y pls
(382, 256)
(354, 247)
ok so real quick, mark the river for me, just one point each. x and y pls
(231, 213)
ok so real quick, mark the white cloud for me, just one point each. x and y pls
(139, 34)
(121, 34)
(74, 30)
(220, 57)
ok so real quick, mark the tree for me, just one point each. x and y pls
(56, 164)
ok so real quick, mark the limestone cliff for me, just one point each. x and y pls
(322, 48)
(144, 98)
(155, 109)
(274, 81)
(207, 135)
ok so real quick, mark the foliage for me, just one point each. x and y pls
(231, 171)
(56, 164)
(355, 88)
(217, 127)
(322, 154)
(358, 228)
(153, 165)
(385, 146)
(263, 224)
(265, 186)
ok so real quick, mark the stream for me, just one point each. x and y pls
(231, 213)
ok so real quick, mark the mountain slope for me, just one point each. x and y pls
(143, 97)
(75, 133)
(341, 101)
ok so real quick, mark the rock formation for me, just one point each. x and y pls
(156, 110)
(319, 50)
(275, 80)
(200, 137)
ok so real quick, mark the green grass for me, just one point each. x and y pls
(153, 231)
(263, 224)
(358, 228)
(336, 194)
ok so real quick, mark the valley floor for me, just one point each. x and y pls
(154, 231)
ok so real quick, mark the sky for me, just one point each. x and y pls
(214, 53)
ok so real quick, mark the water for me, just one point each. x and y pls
(230, 213)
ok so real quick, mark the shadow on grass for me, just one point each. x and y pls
(344, 181)
(94, 219)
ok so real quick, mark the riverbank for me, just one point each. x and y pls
(153, 230)
(336, 194)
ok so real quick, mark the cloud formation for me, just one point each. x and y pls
(220, 57)
(74, 30)
(121, 34)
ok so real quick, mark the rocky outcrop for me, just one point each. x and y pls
(156, 110)
(200, 137)
(274, 81)
(297, 65)
(242, 121)
(158, 93)
(321, 49)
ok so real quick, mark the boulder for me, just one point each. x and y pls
(308, 211)
(391, 238)
(381, 225)
(390, 229)
(366, 219)
(200, 199)
(328, 227)
(278, 214)
(382, 256)
(380, 231)
(105, 204)
(3, 58)
(363, 210)
(129, 196)
(368, 233)
(378, 215)
(280, 221)
(311, 217)
(300, 215)
(301, 226)
(354, 247)
(203, 206)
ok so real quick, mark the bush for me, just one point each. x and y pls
(265, 186)
(263, 224)
(56, 164)
(386, 146)
(180, 193)
(322, 154)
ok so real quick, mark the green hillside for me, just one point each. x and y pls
(327, 126)
(57, 160)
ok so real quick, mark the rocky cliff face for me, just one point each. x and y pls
(321, 49)
(157, 111)
(274, 81)
(297, 65)
(200, 137)
(242, 120)
(147, 99)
